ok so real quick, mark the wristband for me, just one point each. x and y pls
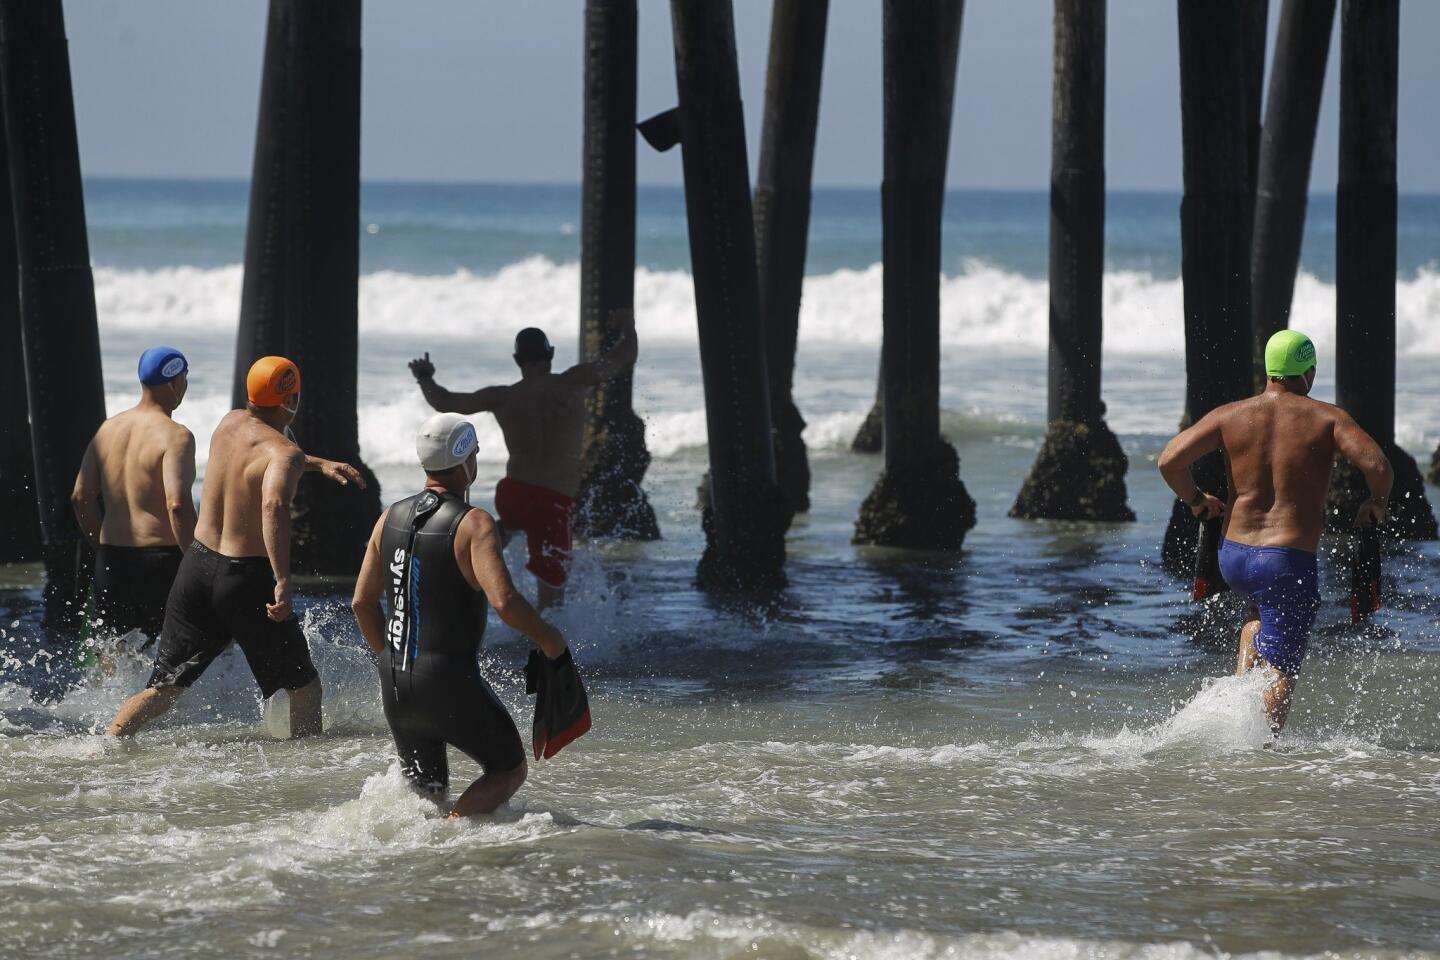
(1198, 499)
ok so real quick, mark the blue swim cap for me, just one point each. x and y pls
(161, 365)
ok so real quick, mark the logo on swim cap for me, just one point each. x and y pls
(464, 442)
(287, 380)
(173, 368)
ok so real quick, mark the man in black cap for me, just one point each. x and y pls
(542, 416)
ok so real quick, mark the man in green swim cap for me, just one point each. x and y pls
(1278, 448)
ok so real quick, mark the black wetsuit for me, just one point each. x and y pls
(430, 680)
(131, 584)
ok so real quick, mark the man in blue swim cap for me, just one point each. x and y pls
(1278, 448)
(133, 502)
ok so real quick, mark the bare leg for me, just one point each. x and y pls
(305, 716)
(1248, 657)
(141, 709)
(1277, 699)
(1282, 686)
(547, 596)
(487, 793)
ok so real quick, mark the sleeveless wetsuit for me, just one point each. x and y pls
(430, 680)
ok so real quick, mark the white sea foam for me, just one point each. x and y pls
(981, 306)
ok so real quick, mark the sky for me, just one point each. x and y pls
(490, 90)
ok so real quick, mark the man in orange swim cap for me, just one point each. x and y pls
(234, 582)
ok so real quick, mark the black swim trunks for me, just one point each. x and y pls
(131, 587)
(217, 599)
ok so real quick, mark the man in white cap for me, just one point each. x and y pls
(437, 561)
(542, 416)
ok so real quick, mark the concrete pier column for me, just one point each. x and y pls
(1365, 211)
(782, 218)
(611, 502)
(63, 379)
(919, 500)
(19, 523)
(1287, 146)
(1080, 471)
(302, 260)
(747, 515)
(870, 437)
(1215, 223)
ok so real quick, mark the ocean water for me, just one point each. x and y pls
(1031, 748)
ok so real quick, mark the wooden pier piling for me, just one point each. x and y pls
(63, 378)
(918, 500)
(747, 515)
(870, 437)
(782, 218)
(19, 526)
(1365, 244)
(611, 502)
(1215, 225)
(1080, 471)
(302, 260)
(1287, 146)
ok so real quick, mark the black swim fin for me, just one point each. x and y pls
(1208, 581)
(1364, 573)
(562, 709)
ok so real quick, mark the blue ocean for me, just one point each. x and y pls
(1033, 748)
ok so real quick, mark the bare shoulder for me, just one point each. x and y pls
(283, 452)
(477, 523)
(179, 435)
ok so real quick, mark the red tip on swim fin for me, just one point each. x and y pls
(575, 731)
(1363, 603)
(1201, 589)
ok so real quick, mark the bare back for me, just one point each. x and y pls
(1278, 451)
(132, 456)
(242, 449)
(542, 417)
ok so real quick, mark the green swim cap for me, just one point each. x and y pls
(1289, 353)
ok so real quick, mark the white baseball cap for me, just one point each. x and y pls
(445, 440)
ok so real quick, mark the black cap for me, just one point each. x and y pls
(531, 344)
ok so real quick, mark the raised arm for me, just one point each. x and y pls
(487, 567)
(484, 400)
(277, 490)
(1181, 453)
(616, 361)
(369, 586)
(85, 497)
(1357, 446)
(177, 469)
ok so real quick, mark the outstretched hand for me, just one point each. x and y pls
(422, 368)
(1210, 508)
(342, 473)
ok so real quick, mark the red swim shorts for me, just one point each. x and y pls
(544, 515)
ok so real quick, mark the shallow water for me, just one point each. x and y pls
(1025, 750)
(1032, 748)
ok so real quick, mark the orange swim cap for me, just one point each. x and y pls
(271, 381)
